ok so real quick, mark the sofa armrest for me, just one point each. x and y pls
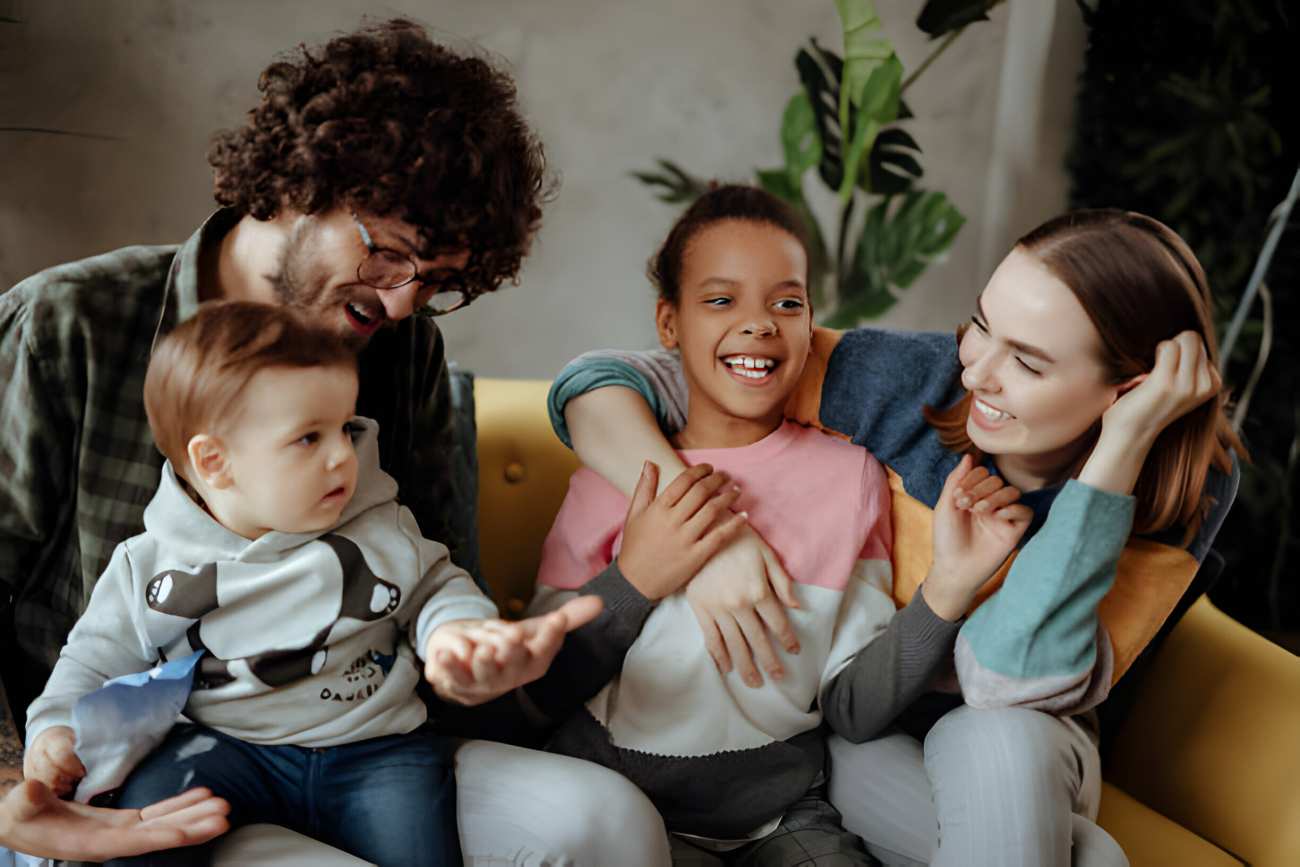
(1213, 742)
(523, 474)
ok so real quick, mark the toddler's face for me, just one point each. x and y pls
(742, 320)
(290, 456)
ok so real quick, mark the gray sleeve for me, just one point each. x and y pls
(445, 593)
(108, 641)
(592, 655)
(891, 672)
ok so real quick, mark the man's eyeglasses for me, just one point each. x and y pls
(385, 268)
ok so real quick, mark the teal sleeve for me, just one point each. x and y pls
(587, 373)
(1036, 641)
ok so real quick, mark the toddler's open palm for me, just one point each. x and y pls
(474, 661)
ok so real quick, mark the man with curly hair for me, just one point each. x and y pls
(382, 179)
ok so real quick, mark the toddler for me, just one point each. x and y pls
(275, 547)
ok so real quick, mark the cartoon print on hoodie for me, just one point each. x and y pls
(192, 595)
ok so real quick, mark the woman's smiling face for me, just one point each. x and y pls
(1032, 360)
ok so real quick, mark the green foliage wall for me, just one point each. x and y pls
(1190, 112)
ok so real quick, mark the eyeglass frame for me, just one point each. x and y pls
(423, 310)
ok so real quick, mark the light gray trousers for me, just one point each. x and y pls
(1002, 788)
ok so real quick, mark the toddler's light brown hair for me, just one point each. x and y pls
(198, 370)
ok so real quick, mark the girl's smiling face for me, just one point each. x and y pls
(1032, 361)
(744, 327)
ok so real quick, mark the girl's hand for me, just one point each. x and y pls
(474, 661)
(739, 597)
(666, 539)
(1181, 380)
(977, 523)
(53, 761)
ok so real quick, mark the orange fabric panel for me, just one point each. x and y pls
(804, 405)
(1149, 580)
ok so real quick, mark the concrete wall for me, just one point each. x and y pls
(609, 84)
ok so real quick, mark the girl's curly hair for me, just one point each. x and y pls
(386, 122)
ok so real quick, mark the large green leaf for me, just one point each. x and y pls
(878, 106)
(939, 17)
(864, 50)
(799, 139)
(778, 183)
(901, 236)
(819, 71)
(892, 167)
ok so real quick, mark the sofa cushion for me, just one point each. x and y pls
(523, 474)
(1149, 839)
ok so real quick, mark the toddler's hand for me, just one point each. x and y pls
(53, 761)
(668, 538)
(474, 661)
(977, 523)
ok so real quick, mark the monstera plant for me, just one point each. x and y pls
(847, 123)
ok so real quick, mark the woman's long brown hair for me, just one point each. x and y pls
(1139, 284)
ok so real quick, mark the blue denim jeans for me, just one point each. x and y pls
(389, 800)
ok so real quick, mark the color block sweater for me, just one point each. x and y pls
(722, 760)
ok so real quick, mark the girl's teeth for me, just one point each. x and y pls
(745, 362)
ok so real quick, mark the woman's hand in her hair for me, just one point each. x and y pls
(739, 599)
(977, 523)
(668, 538)
(1181, 380)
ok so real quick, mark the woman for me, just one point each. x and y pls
(1084, 379)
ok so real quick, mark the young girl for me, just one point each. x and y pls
(736, 771)
(1084, 378)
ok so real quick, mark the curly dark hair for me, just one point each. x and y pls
(386, 122)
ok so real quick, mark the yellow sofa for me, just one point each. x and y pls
(1206, 770)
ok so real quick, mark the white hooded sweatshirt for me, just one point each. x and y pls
(309, 637)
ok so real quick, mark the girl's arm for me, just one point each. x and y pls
(1039, 642)
(892, 671)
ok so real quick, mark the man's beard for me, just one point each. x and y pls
(288, 280)
(291, 283)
